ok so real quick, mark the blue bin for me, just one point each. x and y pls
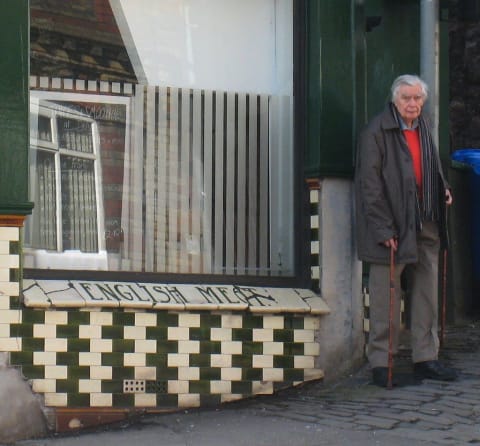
(470, 158)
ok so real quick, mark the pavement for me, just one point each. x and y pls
(349, 411)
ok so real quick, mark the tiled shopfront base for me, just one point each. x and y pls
(121, 357)
(83, 358)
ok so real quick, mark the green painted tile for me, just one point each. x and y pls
(123, 400)
(79, 318)
(314, 233)
(78, 372)
(283, 335)
(67, 331)
(123, 318)
(167, 401)
(160, 333)
(67, 385)
(78, 400)
(113, 359)
(252, 322)
(200, 333)
(293, 348)
(252, 348)
(21, 330)
(123, 372)
(123, 345)
(241, 361)
(168, 373)
(210, 320)
(283, 362)
(293, 375)
(33, 371)
(165, 319)
(294, 323)
(112, 386)
(14, 247)
(156, 360)
(241, 334)
(202, 387)
(112, 332)
(242, 387)
(21, 358)
(78, 345)
(200, 360)
(167, 346)
(211, 347)
(211, 373)
(33, 344)
(210, 400)
(250, 374)
(33, 316)
(67, 358)
(16, 303)
(314, 259)
(14, 275)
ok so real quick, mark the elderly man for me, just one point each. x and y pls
(401, 197)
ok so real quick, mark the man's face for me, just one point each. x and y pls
(409, 102)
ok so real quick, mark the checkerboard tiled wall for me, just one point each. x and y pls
(105, 357)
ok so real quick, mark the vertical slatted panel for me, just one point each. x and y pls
(150, 183)
(206, 182)
(252, 185)
(136, 192)
(197, 182)
(218, 172)
(207, 211)
(173, 172)
(263, 224)
(230, 185)
(241, 173)
(161, 182)
(184, 186)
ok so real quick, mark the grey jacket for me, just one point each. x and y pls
(385, 193)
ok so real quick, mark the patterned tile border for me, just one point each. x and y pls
(107, 355)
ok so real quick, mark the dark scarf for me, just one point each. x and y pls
(428, 209)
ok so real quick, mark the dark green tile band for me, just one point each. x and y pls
(21, 358)
(21, 330)
(112, 332)
(33, 316)
(123, 345)
(78, 400)
(67, 331)
(78, 372)
(78, 318)
(33, 344)
(67, 385)
(68, 358)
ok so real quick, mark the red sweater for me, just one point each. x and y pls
(413, 142)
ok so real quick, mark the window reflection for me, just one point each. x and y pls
(168, 176)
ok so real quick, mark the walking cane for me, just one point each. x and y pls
(390, 318)
(444, 298)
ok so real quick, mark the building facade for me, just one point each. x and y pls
(176, 202)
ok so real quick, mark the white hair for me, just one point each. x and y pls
(411, 80)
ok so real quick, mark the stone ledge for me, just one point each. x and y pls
(154, 296)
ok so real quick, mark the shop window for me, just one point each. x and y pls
(189, 171)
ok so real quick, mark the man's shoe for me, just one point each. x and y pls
(433, 370)
(380, 377)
